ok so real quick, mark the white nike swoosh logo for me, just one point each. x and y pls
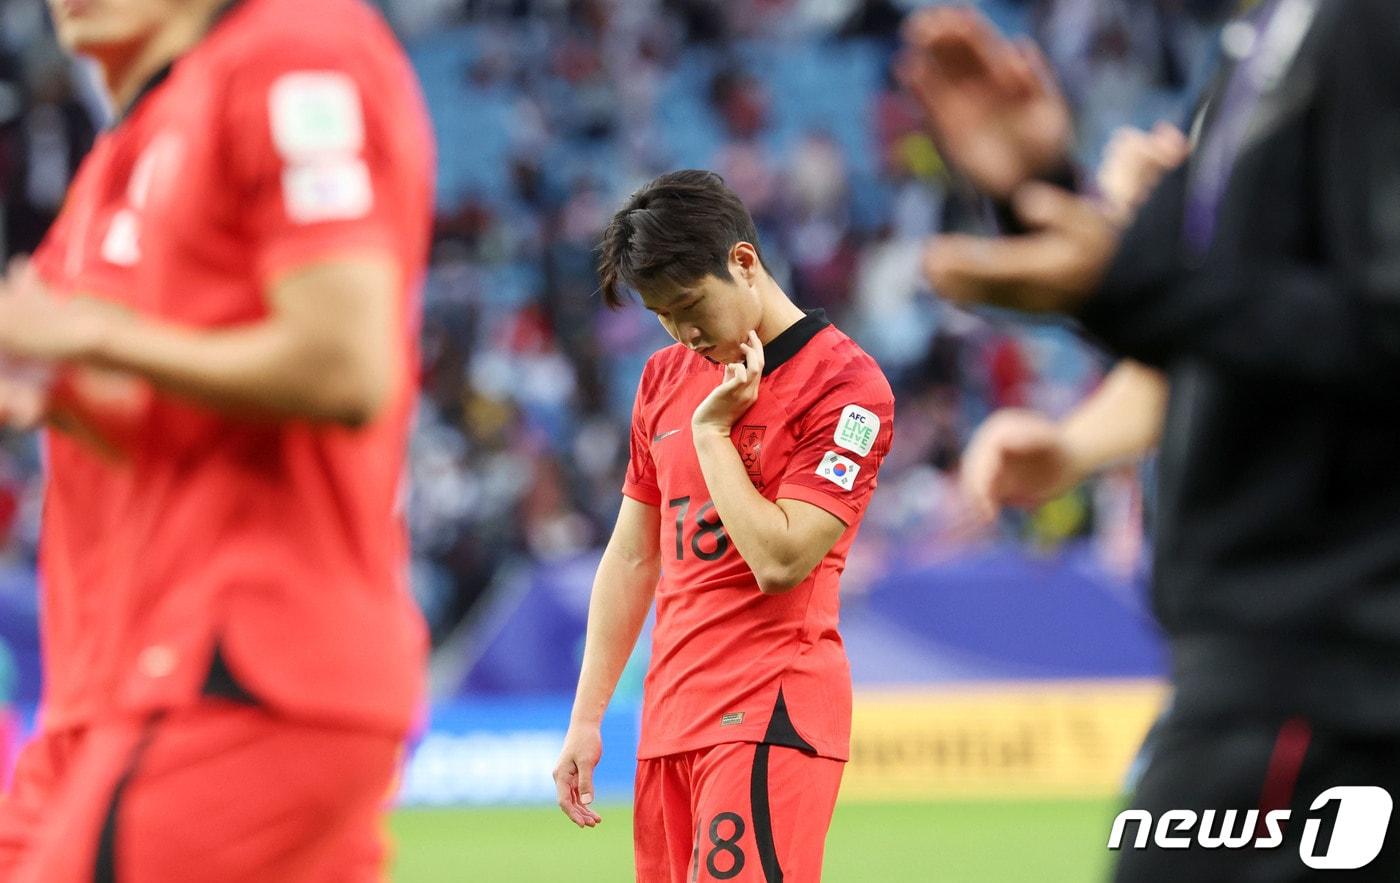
(664, 435)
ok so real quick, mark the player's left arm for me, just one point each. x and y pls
(783, 540)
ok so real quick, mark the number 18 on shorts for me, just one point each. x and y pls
(761, 813)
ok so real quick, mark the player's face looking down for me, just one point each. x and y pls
(100, 27)
(712, 315)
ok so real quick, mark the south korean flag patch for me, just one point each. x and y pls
(838, 470)
(318, 128)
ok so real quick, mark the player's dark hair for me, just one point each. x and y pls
(678, 228)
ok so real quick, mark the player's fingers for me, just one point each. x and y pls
(925, 27)
(915, 28)
(585, 783)
(731, 385)
(960, 44)
(1156, 160)
(997, 487)
(581, 815)
(563, 781)
(1120, 155)
(582, 812)
(1030, 437)
(20, 275)
(1127, 142)
(1017, 71)
(1034, 60)
(564, 789)
(753, 354)
(977, 478)
(1170, 138)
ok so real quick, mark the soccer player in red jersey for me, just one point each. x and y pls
(756, 440)
(227, 312)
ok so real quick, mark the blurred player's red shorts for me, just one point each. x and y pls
(217, 792)
(739, 812)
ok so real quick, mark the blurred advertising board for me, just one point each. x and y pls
(493, 752)
(1031, 739)
(1010, 740)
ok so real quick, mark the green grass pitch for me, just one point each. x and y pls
(952, 842)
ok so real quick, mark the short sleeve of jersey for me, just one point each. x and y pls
(840, 445)
(310, 154)
(640, 483)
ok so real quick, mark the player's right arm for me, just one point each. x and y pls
(622, 594)
(1022, 458)
(98, 407)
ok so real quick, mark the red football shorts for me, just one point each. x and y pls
(219, 792)
(738, 811)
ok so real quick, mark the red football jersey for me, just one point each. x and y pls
(293, 133)
(728, 663)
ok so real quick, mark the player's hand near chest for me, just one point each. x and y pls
(35, 325)
(736, 393)
(41, 339)
(781, 541)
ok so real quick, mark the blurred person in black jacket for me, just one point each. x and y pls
(1263, 278)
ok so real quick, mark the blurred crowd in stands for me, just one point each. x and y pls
(548, 114)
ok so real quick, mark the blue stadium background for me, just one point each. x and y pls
(547, 115)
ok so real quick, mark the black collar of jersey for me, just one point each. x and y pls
(163, 74)
(794, 338)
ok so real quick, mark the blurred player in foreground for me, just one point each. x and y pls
(222, 323)
(756, 440)
(1264, 278)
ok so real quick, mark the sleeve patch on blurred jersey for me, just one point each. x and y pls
(315, 113)
(335, 189)
(857, 430)
(838, 470)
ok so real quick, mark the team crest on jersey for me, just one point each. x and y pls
(750, 447)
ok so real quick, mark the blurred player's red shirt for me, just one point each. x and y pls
(721, 649)
(292, 133)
